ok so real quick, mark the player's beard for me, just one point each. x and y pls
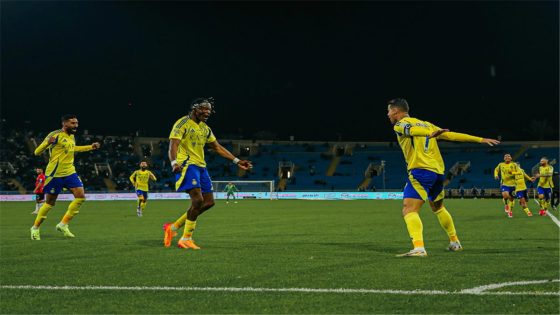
(143, 168)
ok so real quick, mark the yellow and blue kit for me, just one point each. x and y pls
(190, 155)
(423, 159)
(507, 178)
(140, 179)
(60, 172)
(545, 181)
(520, 186)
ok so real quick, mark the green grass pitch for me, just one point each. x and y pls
(277, 244)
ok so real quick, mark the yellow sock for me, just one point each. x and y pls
(546, 204)
(189, 229)
(73, 209)
(526, 209)
(414, 226)
(511, 204)
(542, 203)
(143, 205)
(180, 222)
(42, 215)
(446, 222)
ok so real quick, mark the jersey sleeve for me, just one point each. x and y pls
(418, 129)
(45, 144)
(459, 137)
(210, 138)
(178, 129)
(497, 170)
(83, 148)
(407, 129)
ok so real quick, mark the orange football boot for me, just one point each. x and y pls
(168, 234)
(186, 244)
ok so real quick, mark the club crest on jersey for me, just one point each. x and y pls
(52, 190)
(194, 182)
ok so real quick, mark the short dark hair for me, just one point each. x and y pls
(399, 103)
(68, 117)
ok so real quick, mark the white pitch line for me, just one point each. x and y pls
(289, 290)
(550, 215)
(553, 218)
(483, 288)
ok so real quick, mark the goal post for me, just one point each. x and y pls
(256, 189)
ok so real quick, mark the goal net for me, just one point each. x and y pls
(246, 189)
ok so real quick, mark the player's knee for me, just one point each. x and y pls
(208, 204)
(197, 202)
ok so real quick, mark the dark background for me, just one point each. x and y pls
(317, 71)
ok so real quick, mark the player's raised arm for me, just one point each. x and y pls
(153, 177)
(223, 152)
(49, 140)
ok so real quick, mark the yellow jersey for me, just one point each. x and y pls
(420, 151)
(140, 179)
(506, 173)
(61, 153)
(193, 137)
(519, 177)
(545, 179)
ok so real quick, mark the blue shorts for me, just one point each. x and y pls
(54, 185)
(522, 194)
(424, 185)
(142, 193)
(509, 189)
(545, 191)
(193, 176)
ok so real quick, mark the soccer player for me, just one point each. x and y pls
(545, 184)
(38, 191)
(521, 190)
(504, 172)
(186, 152)
(61, 173)
(140, 179)
(231, 190)
(418, 141)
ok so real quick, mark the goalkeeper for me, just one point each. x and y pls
(231, 190)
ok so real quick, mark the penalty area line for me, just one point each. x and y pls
(474, 291)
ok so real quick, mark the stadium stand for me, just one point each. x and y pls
(312, 166)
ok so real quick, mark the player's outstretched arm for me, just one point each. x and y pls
(223, 152)
(84, 148)
(463, 137)
(490, 142)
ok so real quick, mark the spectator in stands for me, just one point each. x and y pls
(461, 192)
(482, 192)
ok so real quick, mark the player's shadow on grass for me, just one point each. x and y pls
(368, 246)
(152, 242)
